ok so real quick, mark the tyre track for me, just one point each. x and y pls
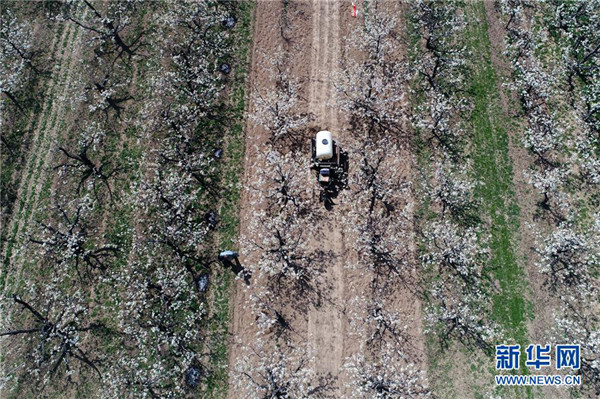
(325, 324)
(314, 59)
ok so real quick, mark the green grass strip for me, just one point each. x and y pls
(492, 166)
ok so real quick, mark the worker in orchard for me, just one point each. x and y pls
(230, 260)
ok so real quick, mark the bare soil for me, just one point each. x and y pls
(316, 29)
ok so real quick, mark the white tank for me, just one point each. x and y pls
(324, 144)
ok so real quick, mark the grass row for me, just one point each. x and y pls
(492, 166)
(498, 210)
(35, 167)
(33, 200)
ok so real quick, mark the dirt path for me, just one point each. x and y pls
(242, 328)
(325, 55)
(325, 324)
(314, 57)
(314, 51)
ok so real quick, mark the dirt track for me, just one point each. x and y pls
(325, 325)
(314, 55)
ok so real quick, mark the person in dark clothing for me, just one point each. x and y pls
(230, 260)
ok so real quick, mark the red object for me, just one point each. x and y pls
(354, 10)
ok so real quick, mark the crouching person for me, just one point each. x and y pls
(230, 260)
